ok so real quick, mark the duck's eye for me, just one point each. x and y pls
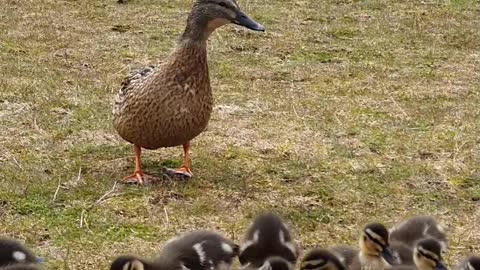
(222, 4)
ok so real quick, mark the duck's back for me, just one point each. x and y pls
(166, 105)
(197, 250)
(416, 228)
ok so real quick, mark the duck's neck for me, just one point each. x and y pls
(196, 32)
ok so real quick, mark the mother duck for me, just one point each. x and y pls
(170, 104)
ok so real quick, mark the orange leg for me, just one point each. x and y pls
(185, 169)
(138, 177)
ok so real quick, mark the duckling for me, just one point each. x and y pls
(469, 263)
(170, 104)
(321, 259)
(416, 228)
(13, 252)
(344, 253)
(197, 250)
(374, 251)
(268, 236)
(427, 255)
(272, 263)
(402, 253)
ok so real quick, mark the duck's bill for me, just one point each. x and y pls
(440, 266)
(387, 254)
(243, 20)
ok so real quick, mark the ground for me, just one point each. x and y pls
(341, 113)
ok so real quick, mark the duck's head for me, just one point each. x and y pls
(128, 263)
(472, 263)
(13, 252)
(211, 14)
(321, 259)
(374, 242)
(428, 255)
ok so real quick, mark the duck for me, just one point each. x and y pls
(426, 255)
(196, 250)
(268, 239)
(271, 263)
(375, 252)
(170, 104)
(419, 227)
(344, 253)
(321, 259)
(13, 252)
(469, 263)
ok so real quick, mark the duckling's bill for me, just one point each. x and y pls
(387, 254)
(440, 266)
(243, 20)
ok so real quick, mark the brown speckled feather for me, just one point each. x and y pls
(167, 105)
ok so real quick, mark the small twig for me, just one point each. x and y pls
(37, 128)
(107, 193)
(58, 188)
(79, 175)
(16, 163)
(167, 220)
(82, 217)
(399, 107)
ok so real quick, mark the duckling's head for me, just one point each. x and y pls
(12, 252)
(321, 259)
(209, 15)
(428, 255)
(275, 263)
(128, 263)
(472, 263)
(374, 242)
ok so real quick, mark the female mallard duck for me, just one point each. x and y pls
(197, 250)
(267, 238)
(170, 104)
(13, 252)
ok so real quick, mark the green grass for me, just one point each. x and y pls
(343, 112)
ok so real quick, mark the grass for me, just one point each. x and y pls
(343, 112)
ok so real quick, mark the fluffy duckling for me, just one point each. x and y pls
(271, 263)
(374, 251)
(345, 254)
(198, 250)
(426, 255)
(170, 104)
(268, 237)
(321, 259)
(469, 263)
(416, 228)
(13, 252)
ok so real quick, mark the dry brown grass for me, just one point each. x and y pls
(343, 112)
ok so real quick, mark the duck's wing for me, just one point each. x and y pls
(131, 82)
